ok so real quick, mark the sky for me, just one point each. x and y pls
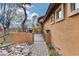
(39, 8)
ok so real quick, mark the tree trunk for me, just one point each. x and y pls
(4, 30)
(6, 24)
(4, 33)
(23, 23)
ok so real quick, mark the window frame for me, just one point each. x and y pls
(61, 7)
(70, 12)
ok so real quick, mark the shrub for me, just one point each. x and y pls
(52, 51)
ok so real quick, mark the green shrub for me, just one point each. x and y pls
(52, 51)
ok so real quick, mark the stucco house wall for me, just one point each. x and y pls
(65, 34)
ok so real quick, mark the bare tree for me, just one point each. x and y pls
(6, 16)
(23, 6)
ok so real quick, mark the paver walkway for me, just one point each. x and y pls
(39, 48)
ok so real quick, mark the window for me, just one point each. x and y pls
(59, 13)
(74, 6)
(72, 9)
(52, 19)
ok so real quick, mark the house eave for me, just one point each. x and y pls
(50, 10)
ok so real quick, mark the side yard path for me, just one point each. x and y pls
(39, 48)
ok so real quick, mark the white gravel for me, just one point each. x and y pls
(19, 49)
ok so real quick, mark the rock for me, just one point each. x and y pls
(23, 44)
(22, 47)
(4, 52)
(19, 49)
(3, 48)
(12, 49)
(19, 54)
(17, 46)
(25, 51)
(11, 55)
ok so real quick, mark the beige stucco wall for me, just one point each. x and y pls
(65, 34)
(18, 37)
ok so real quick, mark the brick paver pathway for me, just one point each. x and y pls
(39, 48)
